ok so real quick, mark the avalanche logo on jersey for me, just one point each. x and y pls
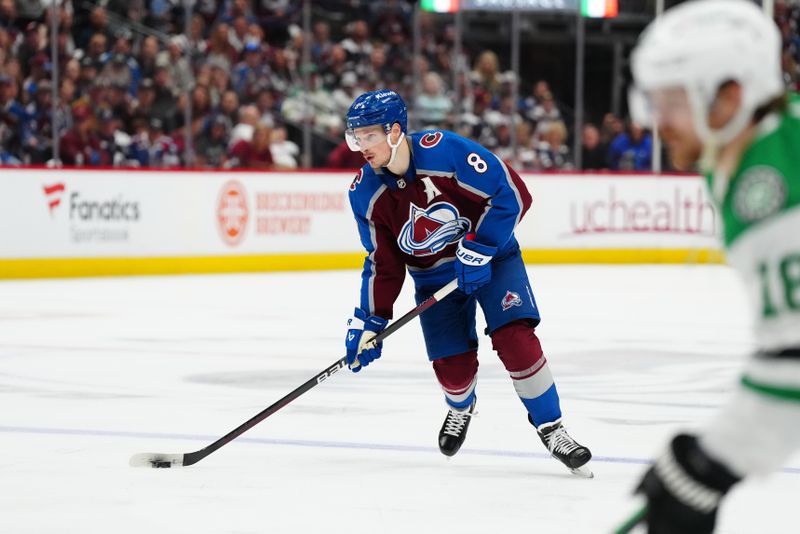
(428, 231)
(511, 299)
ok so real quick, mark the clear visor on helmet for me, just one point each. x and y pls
(359, 139)
(661, 107)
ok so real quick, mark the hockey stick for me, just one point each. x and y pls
(632, 522)
(149, 459)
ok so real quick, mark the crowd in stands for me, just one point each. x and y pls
(126, 71)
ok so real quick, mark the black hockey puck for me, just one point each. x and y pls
(161, 463)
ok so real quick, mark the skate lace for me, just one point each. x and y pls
(455, 422)
(561, 442)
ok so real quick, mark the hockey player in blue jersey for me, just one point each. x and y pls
(443, 207)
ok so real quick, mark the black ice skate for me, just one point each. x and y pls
(454, 429)
(565, 449)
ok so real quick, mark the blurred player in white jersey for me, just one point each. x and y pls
(708, 74)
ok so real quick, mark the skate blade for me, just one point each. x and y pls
(582, 471)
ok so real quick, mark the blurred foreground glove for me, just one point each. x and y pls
(360, 331)
(473, 268)
(684, 489)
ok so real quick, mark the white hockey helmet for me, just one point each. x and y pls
(700, 45)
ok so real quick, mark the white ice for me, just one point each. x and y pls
(95, 370)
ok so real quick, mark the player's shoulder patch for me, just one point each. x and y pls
(363, 188)
(758, 193)
(430, 139)
(364, 178)
(357, 179)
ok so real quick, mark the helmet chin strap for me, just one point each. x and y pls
(715, 139)
(394, 147)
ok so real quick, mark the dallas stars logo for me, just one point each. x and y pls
(760, 192)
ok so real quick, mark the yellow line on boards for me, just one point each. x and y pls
(76, 267)
(624, 255)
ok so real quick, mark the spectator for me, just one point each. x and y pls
(611, 128)
(284, 151)
(397, 64)
(113, 141)
(212, 146)
(97, 47)
(98, 23)
(119, 103)
(147, 57)
(12, 115)
(545, 111)
(116, 72)
(66, 96)
(552, 152)
(631, 150)
(486, 73)
(237, 33)
(333, 70)
(197, 44)
(265, 103)
(162, 149)
(538, 90)
(229, 106)
(201, 108)
(248, 120)
(476, 118)
(526, 155)
(283, 74)
(593, 151)
(29, 9)
(177, 62)
(501, 145)
(220, 49)
(81, 145)
(357, 45)
(343, 158)
(347, 91)
(31, 44)
(142, 106)
(433, 106)
(220, 81)
(37, 131)
(254, 154)
(165, 100)
(8, 14)
(122, 46)
(88, 75)
(321, 43)
(72, 71)
(505, 114)
(377, 71)
(39, 67)
(251, 74)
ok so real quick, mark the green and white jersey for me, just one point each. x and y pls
(761, 214)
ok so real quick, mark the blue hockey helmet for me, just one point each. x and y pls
(384, 107)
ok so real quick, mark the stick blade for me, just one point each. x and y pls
(156, 460)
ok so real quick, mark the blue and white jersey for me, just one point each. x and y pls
(453, 187)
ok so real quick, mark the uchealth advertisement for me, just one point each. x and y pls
(620, 212)
(89, 217)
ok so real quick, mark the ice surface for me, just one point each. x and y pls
(95, 370)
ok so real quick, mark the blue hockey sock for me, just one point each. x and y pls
(462, 404)
(545, 408)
